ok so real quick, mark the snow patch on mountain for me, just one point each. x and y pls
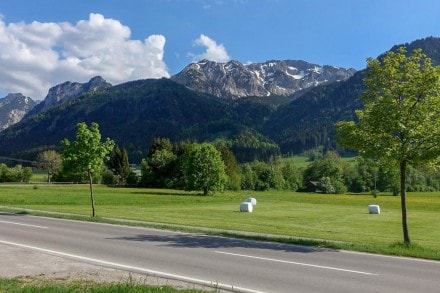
(275, 77)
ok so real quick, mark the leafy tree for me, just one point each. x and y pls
(232, 169)
(86, 154)
(277, 180)
(49, 160)
(205, 169)
(263, 175)
(329, 166)
(399, 124)
(292, 176)
(248, 177)
(119, 165)
(160, 160)
(181, 150)
(325, 185)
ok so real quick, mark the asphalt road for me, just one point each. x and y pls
(230, 264)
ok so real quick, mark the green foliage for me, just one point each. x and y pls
(293, 176)
(109, 178)
(86, 154)
(15, 174)
(331, 168)
(399, 125)
(231, 168)
(314, 154)
(205, 169)
(402, 111)
(248, 177)
(326, 186)
(119, 164)
(158, 168)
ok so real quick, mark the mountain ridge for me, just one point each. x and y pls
(69, 90)
(234, 79)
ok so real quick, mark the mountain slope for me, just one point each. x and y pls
(13, 107)
(309, 121)
(132, 114)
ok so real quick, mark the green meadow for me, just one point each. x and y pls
(339, 221)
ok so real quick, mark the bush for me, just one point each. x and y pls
(109, 179)
(133, 179)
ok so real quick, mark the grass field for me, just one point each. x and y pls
(338, 218)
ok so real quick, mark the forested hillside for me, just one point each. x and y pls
(136, 112)
(254, 128)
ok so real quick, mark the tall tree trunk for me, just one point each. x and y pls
(91, 192)
(406, 238)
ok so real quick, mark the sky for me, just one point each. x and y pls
(47, 42)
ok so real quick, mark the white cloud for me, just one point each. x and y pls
(37, 55)
(214, 52)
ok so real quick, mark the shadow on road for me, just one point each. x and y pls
(207, 241)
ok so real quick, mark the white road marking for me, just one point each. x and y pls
(213, 284)
(392, 256)
(27, 225)
(297, 263)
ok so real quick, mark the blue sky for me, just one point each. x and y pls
(46, 42)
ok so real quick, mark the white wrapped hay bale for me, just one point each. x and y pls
(246, 207)
(252, 200)
(374, 209)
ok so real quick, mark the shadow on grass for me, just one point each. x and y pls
(218, 242)
(167, 193)
(21, 213)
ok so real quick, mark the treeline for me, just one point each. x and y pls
(166, 166)
(212, 167)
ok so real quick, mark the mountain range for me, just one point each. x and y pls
(234, 79)
(258, 110)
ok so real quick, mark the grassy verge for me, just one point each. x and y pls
(29, 285)
(336, 221)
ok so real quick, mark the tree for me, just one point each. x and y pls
(160, 163)
(231, 168)
(119, 165)
(51, 161)
(329, 166)
(205, 169)
(87, 153)
(399, 124)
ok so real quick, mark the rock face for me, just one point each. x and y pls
(234, 79)
(68, 90)
(12, 109)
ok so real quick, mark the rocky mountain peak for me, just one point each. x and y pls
(276, 77)
(12, 109)
(69, 90)
(74, 89)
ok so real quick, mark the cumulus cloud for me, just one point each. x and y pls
(214, 52)
(35, 56)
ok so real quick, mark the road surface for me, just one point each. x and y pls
(229, 264)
